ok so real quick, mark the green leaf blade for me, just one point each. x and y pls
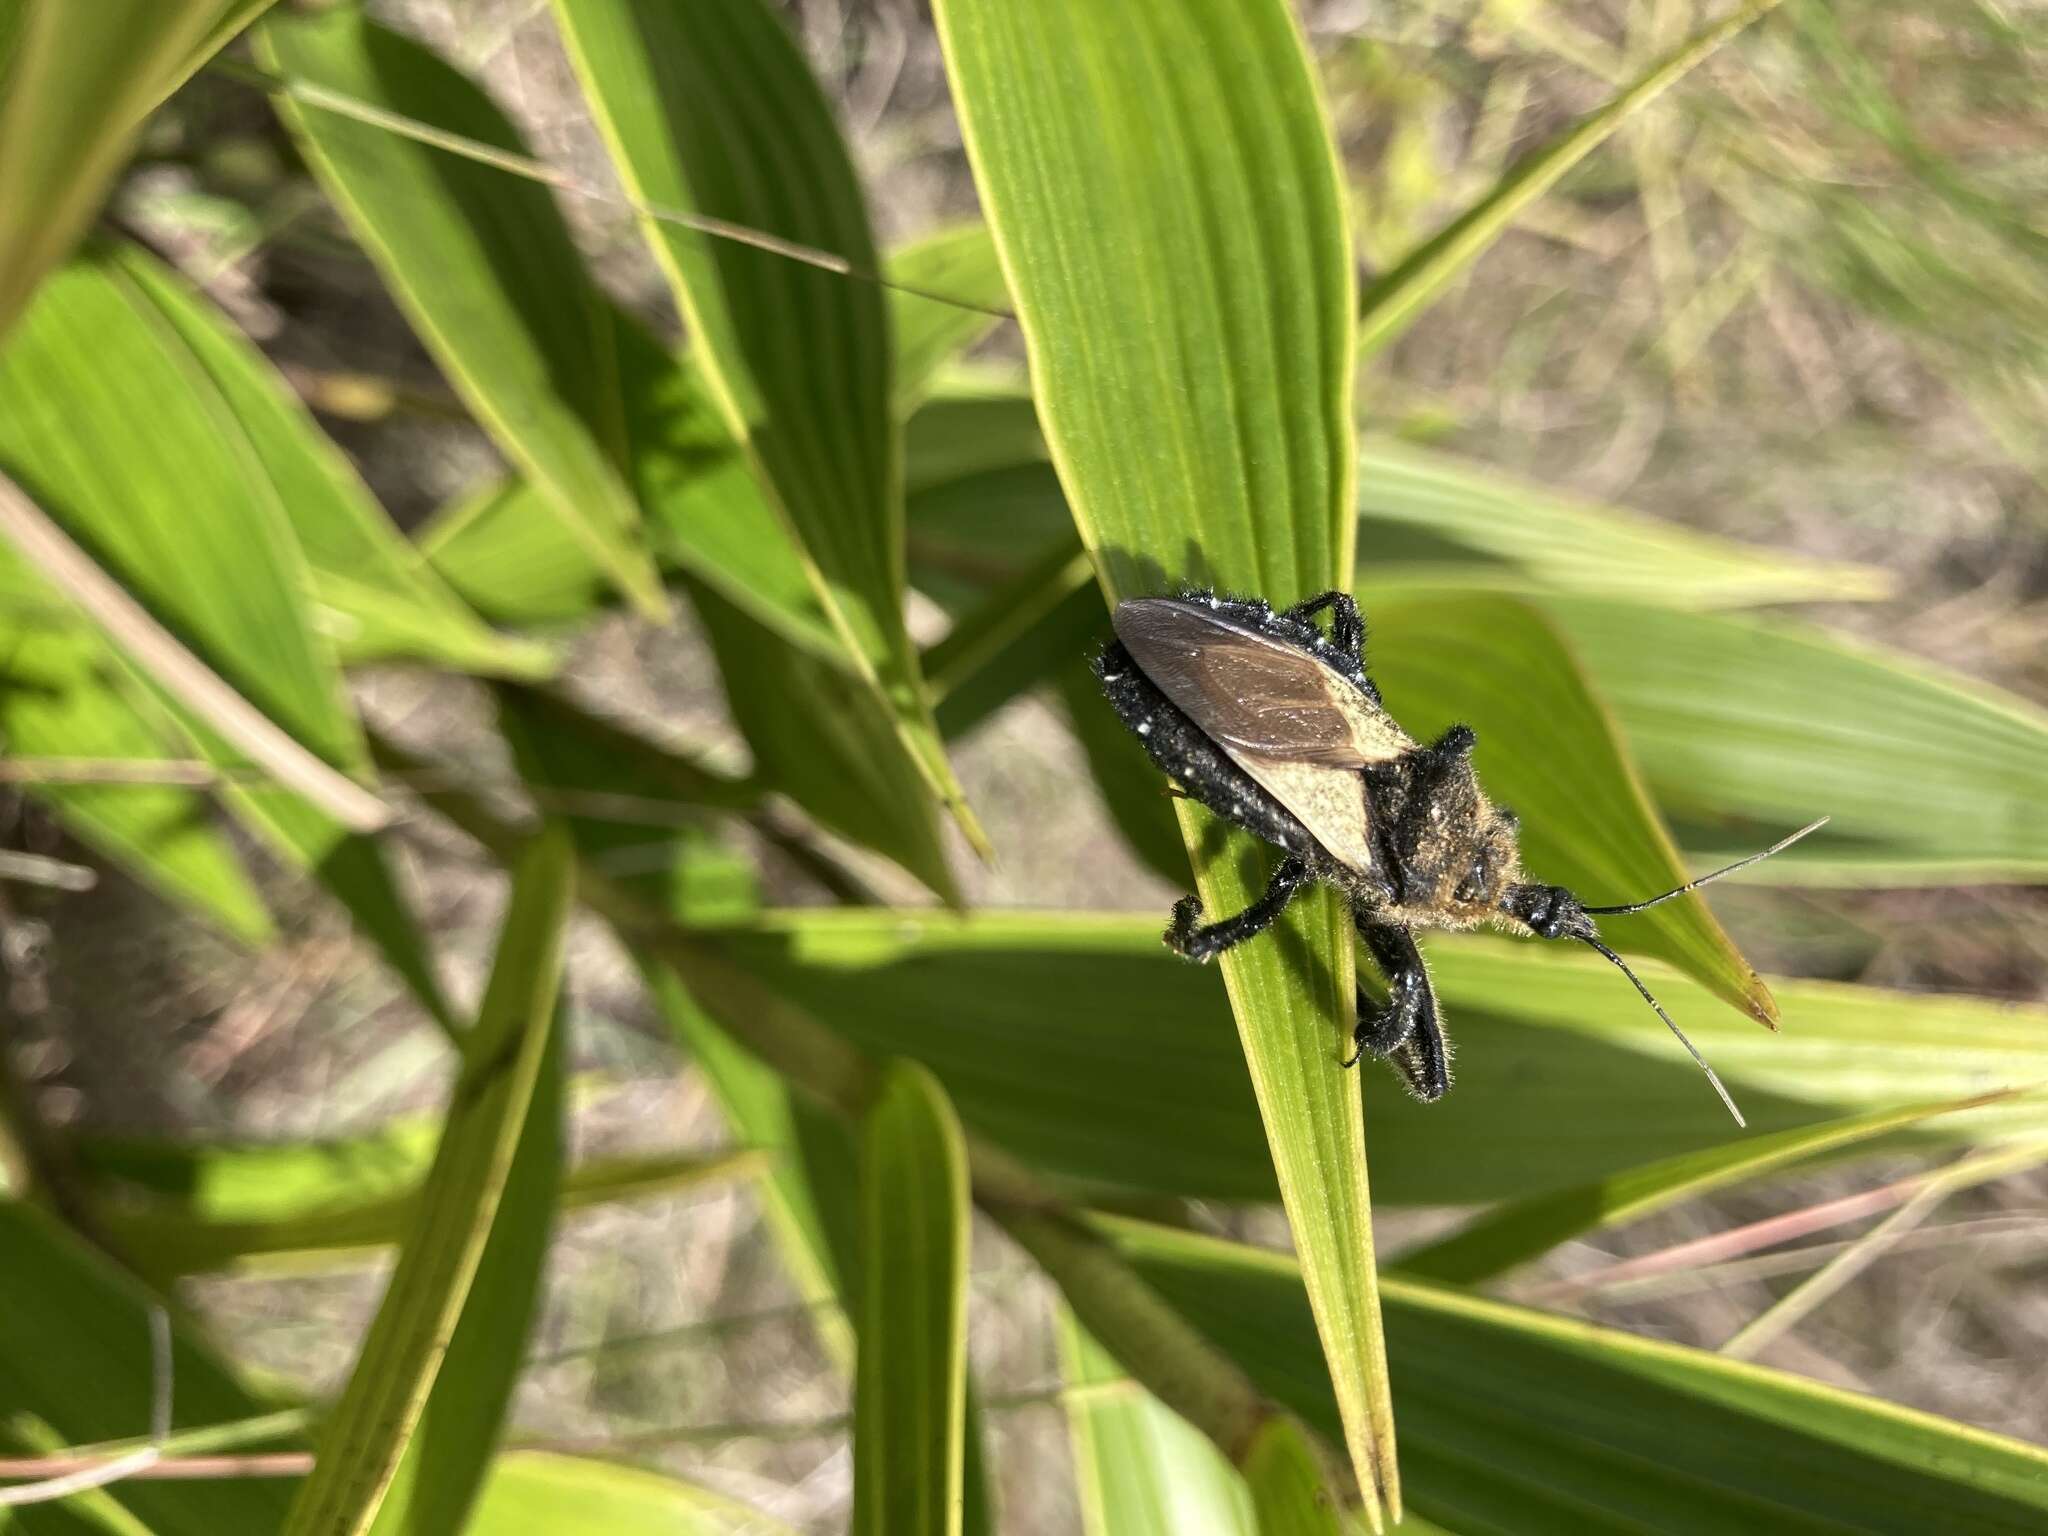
(366, 1440)
(1167, 207)
(911, 1383)
(483, 264)
(716, 112)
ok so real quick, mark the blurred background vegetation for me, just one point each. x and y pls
(1799, 303)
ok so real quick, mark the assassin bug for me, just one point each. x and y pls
(1274, 726)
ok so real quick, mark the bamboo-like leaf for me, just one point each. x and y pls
(1140, 1469)
(1287, 1484)
(388, 600)
(482, 263)
(1523, 1229)
(1391, 303)
(1548, 748)
(66, 697)
(130, 452)
(713, 109)
(188, 1207)
(1930, 777)
(816, 738)
(394, 1380)
(960, 264)
(1428, 518)
(68, 112)
(1077, 1043)
(911, 1383)
(449, 1451)
(539, 1493)
(1165, 199)
(1571, 1416)
(75, 1357)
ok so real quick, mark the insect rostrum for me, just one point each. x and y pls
(1275, 726)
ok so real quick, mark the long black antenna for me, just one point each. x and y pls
(1691, 1049)
(1692, 885)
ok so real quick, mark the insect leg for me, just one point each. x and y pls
(1205, 943)
(1347, 630)
(1407, 1030)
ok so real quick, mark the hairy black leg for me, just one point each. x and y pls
(1206, 943)
(1347, 630)
(1407, 1030)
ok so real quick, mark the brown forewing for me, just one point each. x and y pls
(1252, 693)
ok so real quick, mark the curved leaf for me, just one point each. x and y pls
(69, 108)
(711, 108)
(482, 263)
(394, 1384)
(1930, 777)
(1077, 1043)
(1517, 1421)
(366, 571)
(911, 1383)
(1165, 199)
(1548, 748)
(539, 1493)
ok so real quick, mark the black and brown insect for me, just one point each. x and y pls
(1275, 726)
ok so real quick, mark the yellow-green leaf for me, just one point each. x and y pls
(711, 108)
(483, 265)
(366, 1437)
(910, 1385)
(1165, 198)
(70, 103)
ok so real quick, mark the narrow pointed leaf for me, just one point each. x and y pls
(449, 1452)
(1139, 1468)
(70, 107)
(1930, 777)
(540, 1493)
(711, 108)
(1165, 198)
(483, 265)
(1434, 519)
(1077, 1043)
(1584, 1428)
(366, 1437)
(911, 1382)
(386, 598)
(1524, 1229)
(1549, 749)
(75, 1357)
(65, 696)
(1393, 300)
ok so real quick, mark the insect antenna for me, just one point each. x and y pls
(1692, 885)
(1691, 1049)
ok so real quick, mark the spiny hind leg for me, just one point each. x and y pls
(1196, 942)
(1407, 1030)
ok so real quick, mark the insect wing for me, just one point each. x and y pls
(1252, 693)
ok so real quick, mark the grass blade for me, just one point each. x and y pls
(394, 1381)
(1391, 303)
(1548, 748)
(1518, 1232)
(1164, 196)
(1931, 777)
(539, 1493)
(483, 265)
(711, 108)
(1571, 1414)
(911, 1383)
(69, 108)
(1140, 1470)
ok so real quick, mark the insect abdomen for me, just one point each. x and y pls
(1194, 762)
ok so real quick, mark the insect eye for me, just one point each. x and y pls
(1473, 886)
